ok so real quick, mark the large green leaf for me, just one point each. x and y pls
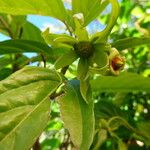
(77, 115)
(90, 9)
(20, 46)
(126, 82)
(24, 106)
(53, 8)
(130, 43)
(66, 59)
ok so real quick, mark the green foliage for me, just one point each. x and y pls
(90, 91)
(130, 42)
(25, 106)
(52, 8)
(126, 82)
(20, 46)
(80, 116)
(90, 9)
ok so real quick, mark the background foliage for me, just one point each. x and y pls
(122, 104)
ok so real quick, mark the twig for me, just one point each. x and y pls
(55, 95)
(36, 145)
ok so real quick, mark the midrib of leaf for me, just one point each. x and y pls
(46, 98)
(29, 105)
(80, 113)
(18, 87)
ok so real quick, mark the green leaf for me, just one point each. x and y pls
(5, 72)
(82, 74)
(143, 128)
(103, 35)
(77, 115)
(53, 8)
(58, 40)
(130, 43)
(101, 138)
(85, 89)
(31, 32)
(80, 31)
(24, 106)
(14, 23)
(66, 59)
(126, 82)
(105, 110)
(4, 61)
(100, 57)
(20, 46)
(90, 9)
(122, 145)
(82, 69)
(115, 122)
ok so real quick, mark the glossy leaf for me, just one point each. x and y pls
(85, 89)
(126, 82)
(103, 35)
(77, 116)
(130, 43)
(101, 138)
(14, 23)
(82, 69)
(58, 40)
(31, 32)
(24, 106)
(80, 31)
(66, 59)
(53, 8)
(90, 9)
(100, 57)
(82, 75)
(20, 46)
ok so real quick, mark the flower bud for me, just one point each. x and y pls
(116, 62)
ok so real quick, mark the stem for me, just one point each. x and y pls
(55, 95)
(44, 60)
(126, 124)
(6, 27)
(15, 66)
(68, 28)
